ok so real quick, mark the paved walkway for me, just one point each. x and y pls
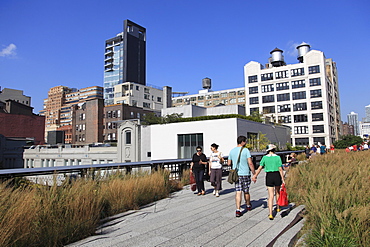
(186, 219)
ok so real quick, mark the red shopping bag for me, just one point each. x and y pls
(283, 198)
(193, 184)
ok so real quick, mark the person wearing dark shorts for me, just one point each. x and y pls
(274, 176)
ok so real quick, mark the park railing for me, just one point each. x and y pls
(175, 166)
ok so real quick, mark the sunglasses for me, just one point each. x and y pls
(199, 150)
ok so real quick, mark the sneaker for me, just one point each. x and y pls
(238, 213)
(249, 207)
(214, 192)
(271, 217)
(217, 194)
(278, 210)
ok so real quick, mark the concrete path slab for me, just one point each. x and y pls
(185, 219)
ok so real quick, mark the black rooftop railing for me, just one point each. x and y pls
(176, 166)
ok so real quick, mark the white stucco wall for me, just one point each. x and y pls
(221, 131)
(224, 132)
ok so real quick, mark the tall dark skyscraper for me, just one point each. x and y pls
(125, 59)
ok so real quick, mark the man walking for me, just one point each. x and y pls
(245, 166)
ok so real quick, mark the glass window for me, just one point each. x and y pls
(128, 137)
(318, 128)
(285, 119)
(317, 116)
(255, 109)
(297, 72)
(314, 69)
(253, 90)
(315, 82)
(316, 105)
(187, 143)
(231, 94)
(300, 118)
(301, 141)
(283, 97)
(267, 77)
(300, 107)
(253, 100)
(298, 84)
(267, 88)
(283, 108)
(232, 101)
(268, 109)
(241, 92)
(318, 140)
(281, 74)
(200, 97)
(282, 86)
(268, 98)
(252, 78)
(300, 130)
(315, 93)
(299, 95)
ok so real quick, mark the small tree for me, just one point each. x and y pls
(257, 142)
(151, 118)
(348, 140)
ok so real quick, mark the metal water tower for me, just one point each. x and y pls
(277, 58)
(303, 49)
(206, 82)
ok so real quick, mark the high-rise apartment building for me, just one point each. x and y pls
(303, 96)
(367, 114)
(125, 59)
(352, 119)
(61, 104)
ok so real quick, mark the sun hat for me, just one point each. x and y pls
(270, 147)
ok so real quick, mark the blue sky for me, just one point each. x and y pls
(46, 43)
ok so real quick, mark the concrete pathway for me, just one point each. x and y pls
(185, 219)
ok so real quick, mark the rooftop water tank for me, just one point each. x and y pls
(206, 82)
(277, 58)
(303, 49)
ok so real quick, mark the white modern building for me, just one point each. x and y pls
(364, 129)
(138, 142)
(303, 96)
(352, 119)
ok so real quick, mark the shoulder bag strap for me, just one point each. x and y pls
(237, 163)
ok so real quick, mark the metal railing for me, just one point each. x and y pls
(175, 166)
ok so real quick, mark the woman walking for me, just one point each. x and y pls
(274, 176)
(215, 169)
(197, 167)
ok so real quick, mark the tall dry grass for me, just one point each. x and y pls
(37, 215)
(335, 191)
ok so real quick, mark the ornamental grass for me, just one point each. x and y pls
(335, 191)
(35, 215)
